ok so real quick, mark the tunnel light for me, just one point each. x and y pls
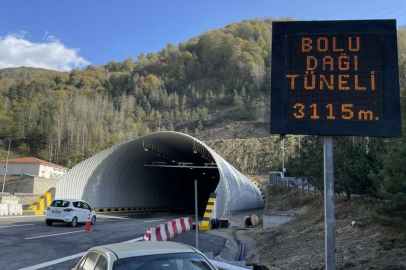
(146, 149)
(204, 173)
(191, 168)
(194, 151)
(173, 160)
(213, 177)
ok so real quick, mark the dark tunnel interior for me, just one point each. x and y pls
(182, 190)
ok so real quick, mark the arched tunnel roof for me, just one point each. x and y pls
(157, 170)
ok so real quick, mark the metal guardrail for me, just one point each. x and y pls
(295, 183)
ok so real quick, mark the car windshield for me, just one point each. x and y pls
(60, 203)
(176, 261)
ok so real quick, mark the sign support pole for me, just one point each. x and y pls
(197, 217)
(329, 203)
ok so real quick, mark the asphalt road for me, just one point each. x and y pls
(27, 242)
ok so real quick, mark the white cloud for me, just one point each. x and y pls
(16, 51)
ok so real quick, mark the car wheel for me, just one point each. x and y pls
(74, 222)
(93, 220)
(48, 222)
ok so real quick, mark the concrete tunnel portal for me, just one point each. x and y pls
(158, 171)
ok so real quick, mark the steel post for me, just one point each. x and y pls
(329, 203)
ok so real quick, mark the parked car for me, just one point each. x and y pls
(69, 211)
(144, 256)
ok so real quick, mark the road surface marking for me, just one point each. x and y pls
(112, 217)
(1, 227)
(30, 216)
(153, 220)
(161, 213)
(134, 240)
(64, 259)
(46, 264)
(50, 235)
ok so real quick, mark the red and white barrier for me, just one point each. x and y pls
(170, 229)
(171, 232)
(178, 226)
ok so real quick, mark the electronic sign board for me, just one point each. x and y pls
(335, 78)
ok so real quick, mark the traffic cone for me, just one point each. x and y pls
(147, 235)
(88, 229)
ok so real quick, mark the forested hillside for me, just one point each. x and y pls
(214, 86)
(69, 116)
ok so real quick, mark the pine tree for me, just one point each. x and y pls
(237, 101)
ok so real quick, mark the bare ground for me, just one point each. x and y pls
(299, 244)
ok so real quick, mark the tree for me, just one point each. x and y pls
(351, 167)
(257, 73)
(391, 180)
(237, 101)
(309, 162)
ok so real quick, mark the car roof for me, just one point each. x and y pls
(135, 249)
(70, 200)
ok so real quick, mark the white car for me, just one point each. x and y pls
(69, 211)
(144, 256)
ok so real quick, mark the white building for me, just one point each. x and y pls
(32, 166)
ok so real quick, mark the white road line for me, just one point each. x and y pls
(112, 217)
(64, 259)
(161, 213)
(153, 220)
(46, 264)
(134, 240)
(50, 235)
(30, 216)
(1, 227)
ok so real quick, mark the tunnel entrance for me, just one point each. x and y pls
(179, 166)
(180, 185)
(158, 171)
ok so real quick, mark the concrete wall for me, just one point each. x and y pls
(22, 185)
(29, 184)
(20, 168)
(41, 185)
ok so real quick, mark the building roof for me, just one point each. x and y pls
(33, 160)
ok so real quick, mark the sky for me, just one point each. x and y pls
(62, 35)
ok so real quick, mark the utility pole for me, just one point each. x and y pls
(197, 217)
(5, 171)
